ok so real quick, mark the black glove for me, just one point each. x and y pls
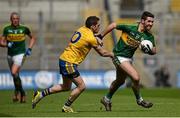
(99, 36)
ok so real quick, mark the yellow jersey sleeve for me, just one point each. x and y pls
(80, 44)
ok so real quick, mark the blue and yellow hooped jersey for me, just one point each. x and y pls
(80, 44)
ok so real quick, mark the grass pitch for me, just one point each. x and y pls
(166, 104)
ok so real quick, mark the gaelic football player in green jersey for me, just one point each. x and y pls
(14, 39)
(124, 50)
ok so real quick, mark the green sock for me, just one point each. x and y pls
(109, 96)
(136, 93)
(18, 84)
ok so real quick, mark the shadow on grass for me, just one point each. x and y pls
(113, 111)
(5, 115)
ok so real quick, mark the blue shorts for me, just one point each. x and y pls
(68, 70)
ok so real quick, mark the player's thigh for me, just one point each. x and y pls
(78, 81)
(17, 59)
(130, 70)
(10, 61)
(67, 82)
(15, 69)
(16, 63)
(68, 71)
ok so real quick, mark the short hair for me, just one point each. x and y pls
(146, 14)
(14, 13)
(91, 20)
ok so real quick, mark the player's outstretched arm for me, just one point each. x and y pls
(108, 29)
(102, 52)
(32, 41)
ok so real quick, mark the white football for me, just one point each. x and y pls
(145, 43)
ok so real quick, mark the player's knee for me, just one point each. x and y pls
(15, 75)
(136, 78)
(82, 87)
(122, 81)
(119, 81)
(136, 82)
(66, 87)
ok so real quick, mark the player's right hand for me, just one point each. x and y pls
(10, 44)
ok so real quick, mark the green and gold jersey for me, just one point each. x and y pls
(16, 35)
(130, 40)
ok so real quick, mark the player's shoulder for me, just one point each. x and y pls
(24, 26)
(132, 26)
(6, 26)
(86, 31)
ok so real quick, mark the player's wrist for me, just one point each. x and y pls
(30, 49)
(100, 36)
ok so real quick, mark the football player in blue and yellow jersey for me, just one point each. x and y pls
(82, 41)
(124, 50)
(13, 38)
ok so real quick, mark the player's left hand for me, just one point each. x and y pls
(99, 36)
(28, 52)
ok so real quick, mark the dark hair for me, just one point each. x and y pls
(91, 20)
(146, 14)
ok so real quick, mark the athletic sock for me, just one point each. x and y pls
(107, 99)
(45, 92)
(17, 82)
(140, 99)
(68, 103)
(109, 96)
(137, 94)
(20, 87)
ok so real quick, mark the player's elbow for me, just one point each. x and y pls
(103, 54)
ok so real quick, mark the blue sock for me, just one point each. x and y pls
(45, 92)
